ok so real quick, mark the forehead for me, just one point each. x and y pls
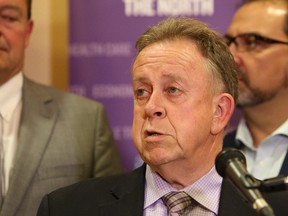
(171, 60)
(263, 18)
(172, 52)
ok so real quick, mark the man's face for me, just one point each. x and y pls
(173, 103)
(15, 32)
(263, 72)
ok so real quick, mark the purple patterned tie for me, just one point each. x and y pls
(177, 202)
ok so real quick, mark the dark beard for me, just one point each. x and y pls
(252, 96)
(255, 97)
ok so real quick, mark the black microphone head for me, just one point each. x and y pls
(224, 158)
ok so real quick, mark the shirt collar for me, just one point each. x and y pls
(10, 95)
(283, 129)
(243, 134)
(206, 190)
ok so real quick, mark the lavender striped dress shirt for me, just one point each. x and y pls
(205, 191)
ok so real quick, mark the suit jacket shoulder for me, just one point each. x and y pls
(232, 202)
(46, 93)
(124, 195)
(229, 140)
(121, 195)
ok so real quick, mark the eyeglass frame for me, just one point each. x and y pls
(265, 40)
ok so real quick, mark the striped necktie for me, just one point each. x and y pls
(177, 202)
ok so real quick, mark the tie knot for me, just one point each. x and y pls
(177, 202)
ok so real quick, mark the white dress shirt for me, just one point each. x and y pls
(266, 160)
(10, 109)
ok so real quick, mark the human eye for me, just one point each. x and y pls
(173, 91)
(10, 15)
(139, 92)
(250, 41)
(141, 95)
(254, 42)
(9, 18)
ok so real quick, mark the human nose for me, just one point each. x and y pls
(154, 107)
(235, 53)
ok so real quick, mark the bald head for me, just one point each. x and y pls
(265, 17)
(275, 7)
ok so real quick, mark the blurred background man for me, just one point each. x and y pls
(258, 40)
(48, 138)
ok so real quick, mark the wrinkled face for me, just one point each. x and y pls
(15, 32)
(173, 103)
(263, 72)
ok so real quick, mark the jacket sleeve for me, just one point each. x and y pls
(107, 158)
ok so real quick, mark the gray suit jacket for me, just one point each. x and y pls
(63, 139)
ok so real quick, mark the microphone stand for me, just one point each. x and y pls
(270, 185)
(275, 184)
(251, 183)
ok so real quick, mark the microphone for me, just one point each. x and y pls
(231, 164)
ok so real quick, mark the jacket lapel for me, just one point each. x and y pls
(128, 194)
(38, 118)
(232, 202)
(284, 168)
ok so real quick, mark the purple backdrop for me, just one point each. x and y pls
(101, 49)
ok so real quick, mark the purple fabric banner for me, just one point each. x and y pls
(101, 49)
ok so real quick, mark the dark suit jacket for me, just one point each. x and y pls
(230, 141)
(124, 196)
(63, 139)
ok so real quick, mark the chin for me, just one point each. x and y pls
(157, 160)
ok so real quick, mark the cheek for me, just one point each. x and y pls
(17, 38)
(193, 121)
(268, 79)
(136, 128)
(262, 70)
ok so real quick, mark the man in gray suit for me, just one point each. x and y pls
(50, 138)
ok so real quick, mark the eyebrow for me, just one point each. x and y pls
(244, 33)
(10, 7)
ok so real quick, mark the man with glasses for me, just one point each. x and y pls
(258, 40)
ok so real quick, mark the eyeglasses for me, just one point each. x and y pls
(251, 42)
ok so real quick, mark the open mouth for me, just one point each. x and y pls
(151, 133)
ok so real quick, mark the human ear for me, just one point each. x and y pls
(29, 29)
(223, 109)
